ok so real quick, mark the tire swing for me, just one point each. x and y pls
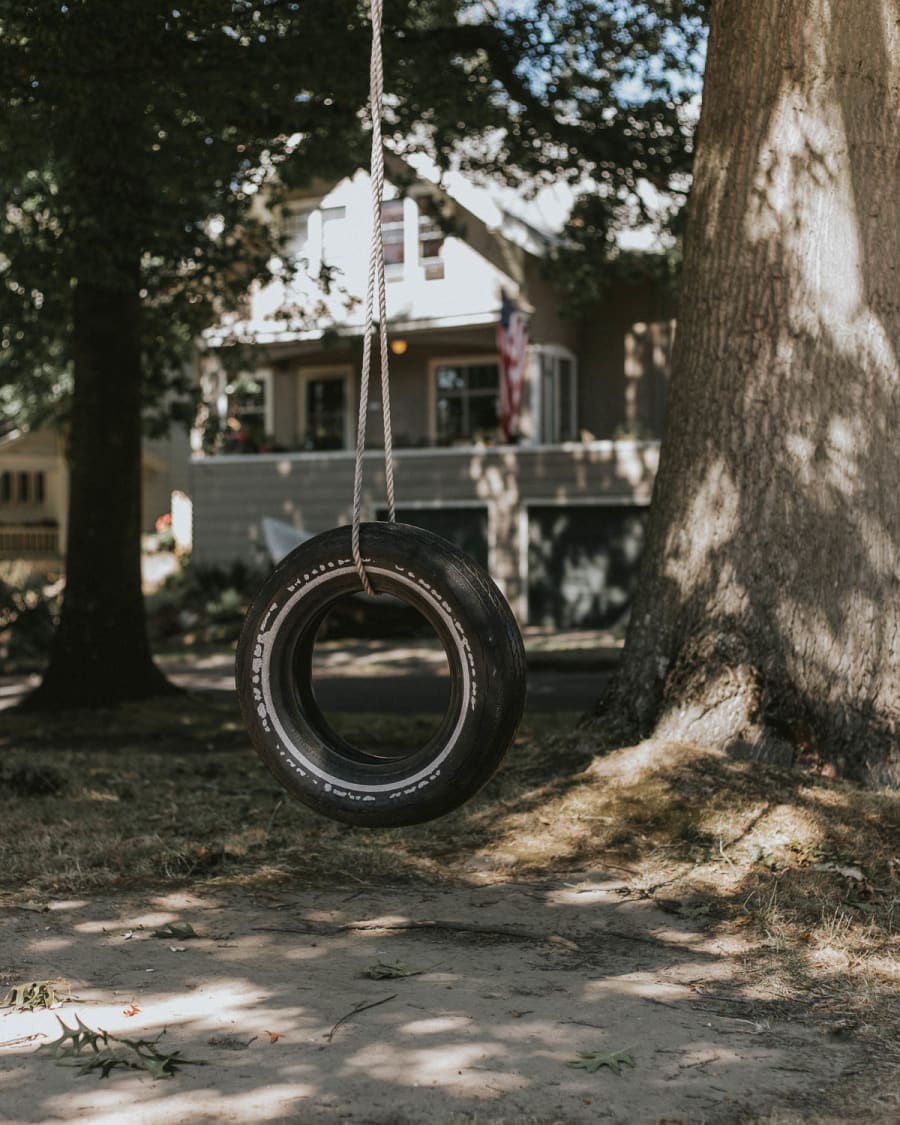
(470, 616)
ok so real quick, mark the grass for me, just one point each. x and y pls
(165, 794)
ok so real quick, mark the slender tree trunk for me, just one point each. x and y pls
(767, 621)
(101, 653)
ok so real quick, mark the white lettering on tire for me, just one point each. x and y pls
(291, 754)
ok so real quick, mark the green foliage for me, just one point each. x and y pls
(203, 603)
(137, 137)
(143, 150)
(29, 611)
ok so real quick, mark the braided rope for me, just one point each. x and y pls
(376, 279)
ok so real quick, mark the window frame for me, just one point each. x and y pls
(476, 360)
(307, 375)
(393, 227)
(266, 412)
(562, 432)
(23, 488)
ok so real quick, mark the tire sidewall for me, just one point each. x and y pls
(484, 652)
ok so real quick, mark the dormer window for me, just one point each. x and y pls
(431, 241)
(392, 234)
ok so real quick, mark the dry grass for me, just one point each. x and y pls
(169, 793)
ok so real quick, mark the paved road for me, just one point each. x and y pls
(379, 676)
(547, 691)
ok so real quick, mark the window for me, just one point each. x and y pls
(431, 241)
(326, 413)
(335, 247)
(467, 402)
(392, 233)
(22, 488)
(295, 226)
(558, 406)
(245, 426)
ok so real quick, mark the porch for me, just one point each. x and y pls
(559, 527)
(29, 541)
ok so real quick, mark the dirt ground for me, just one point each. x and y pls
(397, 1004)
(708, 940)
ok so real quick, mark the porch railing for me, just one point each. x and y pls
(22, 541)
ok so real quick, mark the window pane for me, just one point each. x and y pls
(294, 226)
(245, 427)
(393, 247)
(484, 377)
(325, 413)
(450, 426)
(6, 488)
(483, 416)
(24, 490)
(566, 400)
(431, 237)
(451, 379)
(392, 231)
(467, 403)
(392, 211)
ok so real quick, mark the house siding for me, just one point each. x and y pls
(313, 491)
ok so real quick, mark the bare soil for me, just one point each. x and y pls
(708, 940)
(413, 1004)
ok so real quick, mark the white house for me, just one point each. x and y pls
(553, 509)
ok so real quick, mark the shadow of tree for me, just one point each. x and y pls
(768, 617)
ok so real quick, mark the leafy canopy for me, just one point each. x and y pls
(137, 135)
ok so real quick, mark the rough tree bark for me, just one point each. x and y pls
(767, 621)
(100, 652)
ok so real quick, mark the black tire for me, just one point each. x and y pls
(484, 652)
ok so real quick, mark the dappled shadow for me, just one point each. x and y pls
(769, 621)
(282, 999)
(654, 900)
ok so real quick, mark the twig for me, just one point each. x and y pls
(461, 928)
(275, 812)
(452, 927)
(22, 1039)
(359, 1008)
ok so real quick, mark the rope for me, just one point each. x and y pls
(376, 280)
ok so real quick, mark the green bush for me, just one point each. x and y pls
(29, 613)
(203, 604)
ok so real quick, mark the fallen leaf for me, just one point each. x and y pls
(131, 1010)
(231, 1042)
(32, 994)
(181, 931)
(274, 1036)
(86, 1049)
(391, 970)
(562, 943)
(592, 1061)
(852, 873)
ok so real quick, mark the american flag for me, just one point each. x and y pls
(512, 344)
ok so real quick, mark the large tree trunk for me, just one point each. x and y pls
(101, 653)
(768, 617)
